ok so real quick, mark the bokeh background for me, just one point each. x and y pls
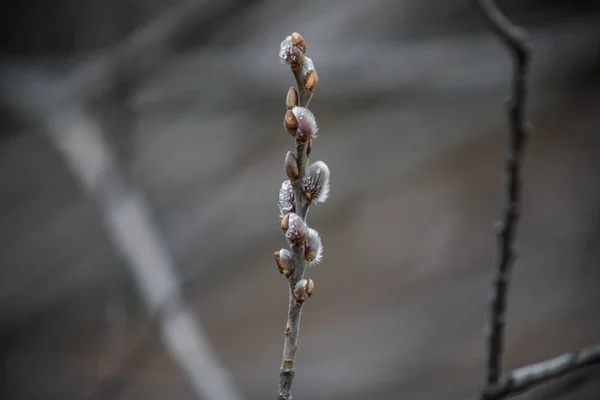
(175, 108)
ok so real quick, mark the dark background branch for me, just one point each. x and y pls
(515, 40)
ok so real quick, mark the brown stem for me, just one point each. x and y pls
(299, 264)
(304, 95)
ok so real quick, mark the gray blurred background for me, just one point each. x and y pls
(182, 103)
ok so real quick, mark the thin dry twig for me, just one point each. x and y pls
(521, 379)
(306, 184)
(515, 40)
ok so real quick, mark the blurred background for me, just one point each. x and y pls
(141, 153)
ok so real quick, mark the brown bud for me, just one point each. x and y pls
(309, 147)
(304, 289)
(278, 262)
(298, 41)
(310, 80)
(291, 167)
(290, 122)
(291, 100)
(285, 222)
(310, 286)
(283, 259)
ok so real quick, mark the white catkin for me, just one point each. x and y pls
(316, 182)
(307, 124)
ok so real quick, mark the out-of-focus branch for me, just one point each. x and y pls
(516, 41)
(408, 68)
(521, 379)
(144, 45)
(524, 378)
(127, 218)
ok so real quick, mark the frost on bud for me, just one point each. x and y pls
(307, 66)
(307, 125)
(310, 75)
(291, 54)
(303, 290)
(315, 183)
(285, 221)
(313, 251)
(310, 80)
(298, 40)
(291, 100)
(290, 122)
(286, 199)
(297, 230)
(291, 167)
(283, 258)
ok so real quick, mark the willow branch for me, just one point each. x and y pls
(305, 185)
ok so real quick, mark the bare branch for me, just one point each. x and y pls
(521, 379)
(515, 40)
(130, 226)
(128, 221)
(142, 48)
(524, 378)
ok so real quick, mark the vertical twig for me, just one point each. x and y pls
(499, 386)
(305, 185)
(515, 39)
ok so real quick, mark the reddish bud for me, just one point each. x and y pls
(303, 290)
(290, 122)
(310, 80)
(285, 224)
(297, 231)
(307, 125)
(290, 54)
(298, 40)
(283, 258)
(291, 167)
(291, 100)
